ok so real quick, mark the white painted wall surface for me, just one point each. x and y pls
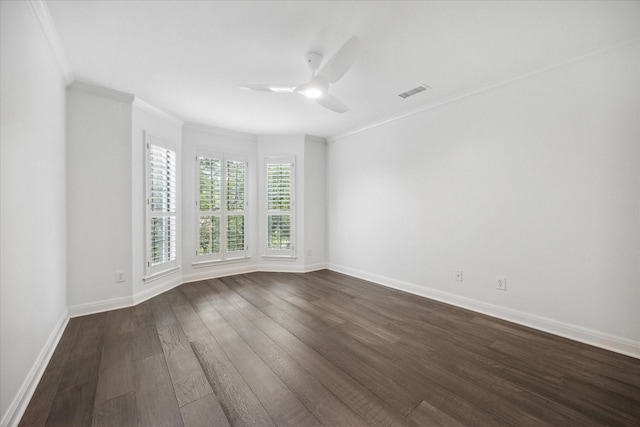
(315, 250)
(537, 180)
(197, 138)
(33, 207)
(99, 173)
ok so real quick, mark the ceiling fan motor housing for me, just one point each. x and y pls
(313, 61)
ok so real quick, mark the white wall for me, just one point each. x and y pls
(537, 180)
(32, 212)
(195, 139)
(315, 248)
(99, 174)
(108, 126)
(106, 187)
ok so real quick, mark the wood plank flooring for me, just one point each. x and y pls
(322, 348)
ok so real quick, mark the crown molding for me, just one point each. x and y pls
(156, 111)
(313, 138)
(101, 91)
(41, 15)
(485, 88)
(220, 131)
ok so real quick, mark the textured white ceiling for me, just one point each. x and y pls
(188, 57)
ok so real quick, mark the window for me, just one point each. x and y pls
(161, 200)
(221, 207)
(280, 206)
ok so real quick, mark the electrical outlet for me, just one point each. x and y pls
(458, 275)
(501, 283)
(308, 251)
(119, 276)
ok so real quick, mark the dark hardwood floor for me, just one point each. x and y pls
(322, 348)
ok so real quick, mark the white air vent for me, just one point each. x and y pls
(413, 91)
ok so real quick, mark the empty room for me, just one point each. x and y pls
(306, 213)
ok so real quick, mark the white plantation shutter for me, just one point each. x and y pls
(162, 224)
(280, 206)
(209, 205)
(236, 202)
(221, 201)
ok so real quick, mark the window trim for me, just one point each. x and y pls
(155, 271)
(224, 256)
(280, 254)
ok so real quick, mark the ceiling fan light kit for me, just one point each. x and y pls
(321, 78)
(315, 88)
(311, 92)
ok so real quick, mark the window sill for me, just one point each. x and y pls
(279, 257)
(159, 275)
(213, 262)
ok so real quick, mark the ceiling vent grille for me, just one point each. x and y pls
(414, 91)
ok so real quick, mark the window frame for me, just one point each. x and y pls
(160, 269)
(224, 213)
(271, 252)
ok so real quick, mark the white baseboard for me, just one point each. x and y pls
(123, 302)
(21, 401)
(573, 332)
(100, 306)
(153, 291)
(150, 292)
(315, 267)
(285, 268)
(220, 272)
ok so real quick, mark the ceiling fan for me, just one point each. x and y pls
(321, 78)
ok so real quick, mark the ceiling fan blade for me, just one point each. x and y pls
(332, 103)
(341, 61)
(269, 88)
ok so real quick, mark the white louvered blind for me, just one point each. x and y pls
(162, 203)
(280, 195)
(221, 207)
